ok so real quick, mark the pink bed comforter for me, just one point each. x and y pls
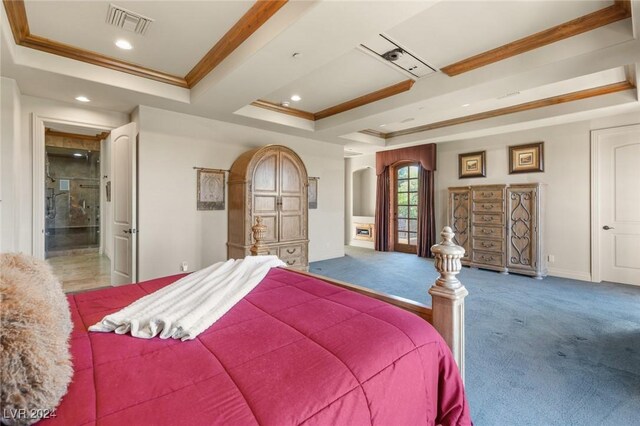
(296, 350)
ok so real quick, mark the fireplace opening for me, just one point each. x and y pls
(364, 231)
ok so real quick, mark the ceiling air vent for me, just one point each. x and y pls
(397, 56)
(125, 19)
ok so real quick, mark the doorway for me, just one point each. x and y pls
(74, 207)
(405, 229)
(615, 205)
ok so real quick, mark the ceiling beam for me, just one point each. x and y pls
(621, 9)
(253, 19)
(555, 100)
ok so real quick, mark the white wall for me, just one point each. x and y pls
(352, 165)
(10, 151)
(171, 230)
(567, 175)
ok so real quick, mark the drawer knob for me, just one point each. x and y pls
(291, 251)
(487, 245)
(488, 206)
(487, 231)
(291, 262)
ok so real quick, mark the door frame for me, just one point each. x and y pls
(38, 164)
(596, 143)
(393, 189)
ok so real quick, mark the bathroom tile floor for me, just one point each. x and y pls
(82, 272)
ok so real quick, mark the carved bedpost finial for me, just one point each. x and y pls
(258, 249)
(448, 295)
(447, 260)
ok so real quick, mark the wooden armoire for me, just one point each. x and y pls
(500, 227)
(270, 182)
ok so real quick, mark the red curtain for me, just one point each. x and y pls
(426, 213)
(426, 156)
(383, 204)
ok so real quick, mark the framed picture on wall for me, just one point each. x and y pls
(472, 164)
(313, 192)
(210, 191)
(527, 158)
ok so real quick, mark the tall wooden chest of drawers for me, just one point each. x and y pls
(499, 226)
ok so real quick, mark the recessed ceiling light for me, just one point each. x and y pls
(82, 99)
(77, 154)
(124, 44)
(284, 103)
(295, 98)
(465, 105)
(383, 125)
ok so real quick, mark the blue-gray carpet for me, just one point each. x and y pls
(550, 352)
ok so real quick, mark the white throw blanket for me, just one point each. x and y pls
(189, 306)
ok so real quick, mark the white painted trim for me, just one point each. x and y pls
(38, 155)
(595, 195)
(595, 211)
(566, 273)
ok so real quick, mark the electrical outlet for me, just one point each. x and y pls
(184, 266)
(551, 258)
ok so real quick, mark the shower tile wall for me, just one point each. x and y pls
(73, 199)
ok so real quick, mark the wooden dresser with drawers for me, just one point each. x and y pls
(499, 226)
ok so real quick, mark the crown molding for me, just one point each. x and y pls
(620, 10)
(283, 109)
(541, 103)
(253, 19)
(386, 92)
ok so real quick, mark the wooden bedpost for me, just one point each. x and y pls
(258, 248)
(448, 295)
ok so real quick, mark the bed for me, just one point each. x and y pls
(297, 349)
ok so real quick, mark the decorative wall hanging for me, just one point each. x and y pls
(472, 164)
(210, 192)
(526, 158)
(313, 192)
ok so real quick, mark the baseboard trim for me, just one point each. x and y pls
(565, 273)
(363, 244)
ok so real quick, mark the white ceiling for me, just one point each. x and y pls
(349, 76)
(331, 69)
(454, 30)
(181, 34)
(433, 113)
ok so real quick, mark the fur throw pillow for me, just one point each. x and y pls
(35, 325)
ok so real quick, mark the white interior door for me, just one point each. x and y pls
(618, 193)
(123, 205)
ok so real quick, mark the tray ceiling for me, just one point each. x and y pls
(343, 89)
(482, 25)
(181, 34)
(351, 75)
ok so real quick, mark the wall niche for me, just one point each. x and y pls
(364, 192)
